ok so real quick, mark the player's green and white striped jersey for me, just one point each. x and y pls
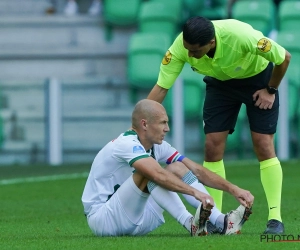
(113, 165)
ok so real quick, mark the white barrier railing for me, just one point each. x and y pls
(54, 121)
(283, 147)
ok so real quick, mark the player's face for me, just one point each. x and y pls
(158, 128)
(194, 50)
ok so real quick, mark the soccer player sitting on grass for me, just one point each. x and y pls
(127, 190)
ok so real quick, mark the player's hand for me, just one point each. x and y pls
(207, 201)
(244, 197)
(208, 204)
(263, 99)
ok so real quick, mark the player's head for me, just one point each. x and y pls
(198, 36)
(150, 121)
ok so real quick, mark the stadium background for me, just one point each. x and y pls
(94, 61)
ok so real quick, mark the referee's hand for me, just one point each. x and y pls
(263, 99)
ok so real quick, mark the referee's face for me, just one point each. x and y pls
(197, 51)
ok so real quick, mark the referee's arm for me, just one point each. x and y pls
(157, 94)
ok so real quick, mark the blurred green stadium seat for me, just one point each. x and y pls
(156, 16)
(121, 12)
(178, 7)
(193, 6)
(175, 5)
(115, 14)
(289, 16)
(213, 9)
(145, 53)
(259, 14)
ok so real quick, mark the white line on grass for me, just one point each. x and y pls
(44, 178)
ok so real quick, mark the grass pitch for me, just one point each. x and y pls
(41, 209)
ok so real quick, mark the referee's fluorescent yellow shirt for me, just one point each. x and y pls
(241, 52)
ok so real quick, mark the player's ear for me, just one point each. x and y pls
(144, 124)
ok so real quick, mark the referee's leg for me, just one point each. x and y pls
(271, 179)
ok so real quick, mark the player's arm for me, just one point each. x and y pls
(157, 93)
(151, 170)
(262, 98)
(170, 69)
(279, 71)
(256, 44)
(210, 179)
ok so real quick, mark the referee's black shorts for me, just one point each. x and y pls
(224, 99)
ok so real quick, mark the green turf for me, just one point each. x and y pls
(49, 214)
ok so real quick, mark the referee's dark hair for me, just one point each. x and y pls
(198, 30)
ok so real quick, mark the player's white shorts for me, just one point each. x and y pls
(128, 212)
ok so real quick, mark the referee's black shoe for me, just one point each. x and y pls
(274, 227)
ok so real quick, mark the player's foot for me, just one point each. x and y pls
(235, 219)
(212, 229)
(274, 227)
(198, 227)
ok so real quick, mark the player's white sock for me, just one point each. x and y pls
(190, 179)
(169, 201)
(220, 222)
(188, 223)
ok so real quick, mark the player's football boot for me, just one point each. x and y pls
(212, 229)
(235, 219)
(198, 227)
(274, 227)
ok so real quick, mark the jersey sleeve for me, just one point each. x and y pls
(270, 50)
(129, 151)
(256, 43)
(171, 64)
(165, 153)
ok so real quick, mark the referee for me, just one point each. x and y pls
(240, 65)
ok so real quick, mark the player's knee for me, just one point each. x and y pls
(177, 168)
(264, 149)
(263, 143)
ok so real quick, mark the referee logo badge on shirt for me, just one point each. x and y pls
(264, 45)
(167, 58)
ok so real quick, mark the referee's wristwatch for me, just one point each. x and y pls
(271, 90)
